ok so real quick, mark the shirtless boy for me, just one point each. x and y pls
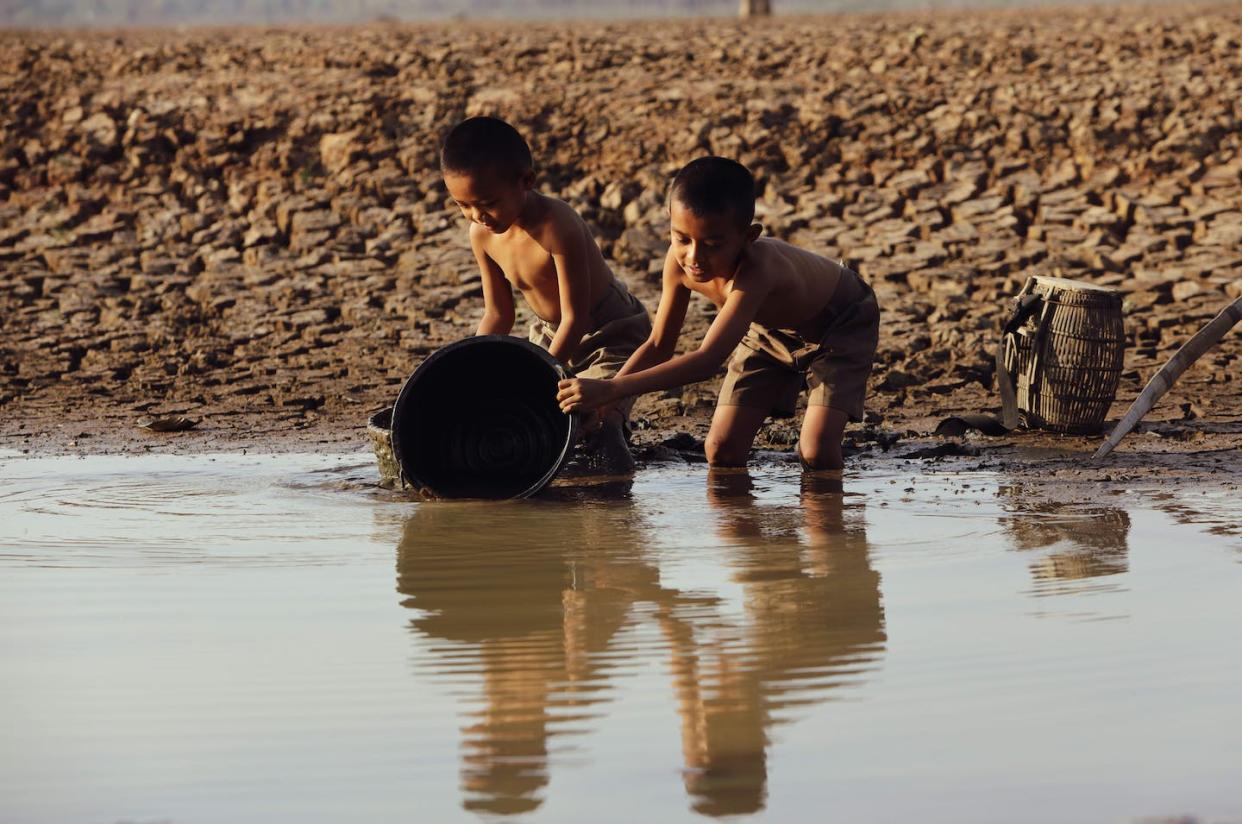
(522, 239)
(789, 318)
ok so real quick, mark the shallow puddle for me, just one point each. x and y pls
(272, 638)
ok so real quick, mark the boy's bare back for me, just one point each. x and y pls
(796, 284)
(526, 255)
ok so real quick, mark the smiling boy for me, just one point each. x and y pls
(789, 317)
(522, 239)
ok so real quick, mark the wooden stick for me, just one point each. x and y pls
(1190, 352)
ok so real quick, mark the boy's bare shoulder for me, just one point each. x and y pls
(760, 267)
(558, 223)
(478, 236)
(561, 210)
(772, 251)
(781, 256)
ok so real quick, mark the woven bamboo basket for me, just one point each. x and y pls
(1065, 352)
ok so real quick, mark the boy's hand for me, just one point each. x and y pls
(583, 394)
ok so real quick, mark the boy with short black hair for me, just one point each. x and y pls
(789, 318)
(585, 317)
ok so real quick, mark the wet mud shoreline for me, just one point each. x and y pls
(246, 227)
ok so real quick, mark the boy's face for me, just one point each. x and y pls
(493, 201)
(708, 246)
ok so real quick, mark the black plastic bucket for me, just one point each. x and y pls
(479, 419)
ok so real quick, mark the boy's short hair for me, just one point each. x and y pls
(712, 185)
(485, 143)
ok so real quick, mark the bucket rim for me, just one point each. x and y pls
(412, 478)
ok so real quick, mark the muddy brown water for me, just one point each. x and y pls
(273, 639)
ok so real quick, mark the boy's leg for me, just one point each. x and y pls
(612, 416)
(609, 447)
(623, 325)
(756, 385)
(604, 445)
(819, 446)
(732, 433)
(837, 378)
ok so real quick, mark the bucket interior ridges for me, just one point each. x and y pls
(479, 419)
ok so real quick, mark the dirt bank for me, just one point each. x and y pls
(247, 227)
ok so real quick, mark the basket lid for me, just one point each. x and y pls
(1072, 285)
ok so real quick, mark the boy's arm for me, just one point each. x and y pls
(722, 337)
(669, 317)
(498, 311)
(567, 244)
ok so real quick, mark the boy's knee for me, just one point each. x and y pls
(818, 457)
(721, 452)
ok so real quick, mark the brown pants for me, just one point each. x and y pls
(619, 325)
(770, 366)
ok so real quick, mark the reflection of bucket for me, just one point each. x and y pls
(479, 419)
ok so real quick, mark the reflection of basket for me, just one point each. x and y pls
(1085, 542)
(1061, 355)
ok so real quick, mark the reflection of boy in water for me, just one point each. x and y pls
(526, 616)
(813, 612)
(508, 622)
